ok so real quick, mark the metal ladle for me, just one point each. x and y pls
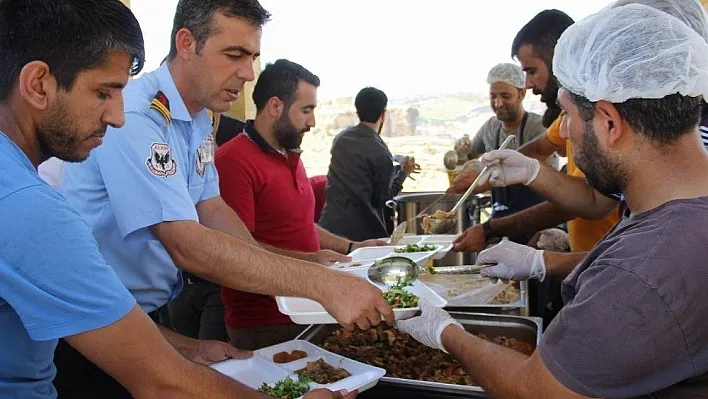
(393, 270)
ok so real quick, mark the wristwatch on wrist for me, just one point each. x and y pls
(487, 231)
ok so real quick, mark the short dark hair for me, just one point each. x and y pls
(370, 104)
(542, 33)
(662, 120)
(197, 15)
(280, 79)
(70, 36)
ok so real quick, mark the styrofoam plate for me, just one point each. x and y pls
(362, 376)
(260, 368)
(306, 311)
(444, 248)
(427, 239)
(253, 371)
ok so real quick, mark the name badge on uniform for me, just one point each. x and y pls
(206, 150)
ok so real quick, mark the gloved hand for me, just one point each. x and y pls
(509, 167)
(513, 262)
(463, 147)
(474, 164)
(428, 327)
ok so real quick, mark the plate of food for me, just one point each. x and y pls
(291, 369)
(306, 311)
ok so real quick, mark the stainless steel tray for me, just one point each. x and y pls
(450, 272)
(527, 329)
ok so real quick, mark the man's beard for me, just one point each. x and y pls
(508, 115)
(550, 97)
(602, 172)
(58, 135)
(287, 135)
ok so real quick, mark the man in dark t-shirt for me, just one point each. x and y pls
(633, 324)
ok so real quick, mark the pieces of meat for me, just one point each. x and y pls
(323, 373)
(285, 357)
(404, 357)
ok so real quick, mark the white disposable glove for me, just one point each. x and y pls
(509, 167)
(513, 262)
(463, 147)
(428, 327)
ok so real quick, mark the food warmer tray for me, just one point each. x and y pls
(527, 329)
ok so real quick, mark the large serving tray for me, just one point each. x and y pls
(527, 329)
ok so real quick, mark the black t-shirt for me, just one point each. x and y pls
(228, 128)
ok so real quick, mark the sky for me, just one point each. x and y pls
(402, 47)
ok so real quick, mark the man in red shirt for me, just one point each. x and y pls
(264, 181)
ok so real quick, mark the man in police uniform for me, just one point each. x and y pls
(150, 193)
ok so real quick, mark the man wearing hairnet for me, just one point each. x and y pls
(632, 81)
(506, 96)
(533, 46)
(518, 262)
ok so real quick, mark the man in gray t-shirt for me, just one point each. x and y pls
(506, 95)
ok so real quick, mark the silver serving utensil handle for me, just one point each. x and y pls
(462, 200)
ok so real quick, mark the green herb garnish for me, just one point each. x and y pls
(415, 248)
(398, 297)
(287, 388)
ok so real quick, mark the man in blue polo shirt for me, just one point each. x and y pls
(53, 281)
(150, 193)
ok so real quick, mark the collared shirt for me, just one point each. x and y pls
(53, 281)
(360, 180)
(147, 172)
(271, 193)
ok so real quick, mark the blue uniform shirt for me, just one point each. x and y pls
(53, 280)
(145, 173)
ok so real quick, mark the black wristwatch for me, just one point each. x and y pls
(349, 249)
(487, 231)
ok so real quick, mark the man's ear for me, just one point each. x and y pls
(185, 43)
(275, 107)
(608, 124)
(36, 84)
(522, 94)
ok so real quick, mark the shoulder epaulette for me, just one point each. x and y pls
(162, 105)
(212, 116)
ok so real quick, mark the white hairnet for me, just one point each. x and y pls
(631, 51)
(510, 74)
(691, 12)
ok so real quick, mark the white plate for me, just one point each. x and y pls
(261, 369)
(252, 372)
(362, 258)
(362, 376)
(438, 238)
(306, 311)
(352, 265)
(444, 248)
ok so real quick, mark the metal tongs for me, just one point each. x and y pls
(479, 178)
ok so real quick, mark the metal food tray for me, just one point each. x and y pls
(474, 270)
(527, 329)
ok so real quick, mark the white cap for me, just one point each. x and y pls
(632, 51)
(510, 74)
(691, 12)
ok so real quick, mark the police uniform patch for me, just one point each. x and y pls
(200, 164)
(160, 162)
